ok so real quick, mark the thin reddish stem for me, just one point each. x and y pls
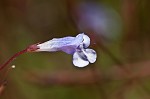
(12, 58)
(30, 48)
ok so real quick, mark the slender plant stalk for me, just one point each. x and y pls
(30, 48)
(12, 58)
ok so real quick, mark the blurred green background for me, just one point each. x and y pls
(119, 32)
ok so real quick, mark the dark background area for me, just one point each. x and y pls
(119, 32)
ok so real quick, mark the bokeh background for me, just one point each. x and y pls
(119, 32)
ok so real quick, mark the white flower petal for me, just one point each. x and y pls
(86, 41)
(91, 55)
(79, 62)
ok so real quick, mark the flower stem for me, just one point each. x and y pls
(12, 58)
(30, 48)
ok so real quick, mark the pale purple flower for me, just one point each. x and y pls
(77, 46)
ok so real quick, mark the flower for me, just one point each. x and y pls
(77, 46)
